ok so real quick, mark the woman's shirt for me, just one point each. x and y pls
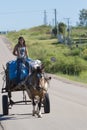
(21, 52)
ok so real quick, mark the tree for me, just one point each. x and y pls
(83, 17)
(61, 28)
(61, 32)
(54, 31)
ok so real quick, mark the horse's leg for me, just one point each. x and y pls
(39, 108)
(34, 104)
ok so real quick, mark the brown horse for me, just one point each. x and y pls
(36, 86)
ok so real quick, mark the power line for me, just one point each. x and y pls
(21, 11)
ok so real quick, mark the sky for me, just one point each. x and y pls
(25, 14)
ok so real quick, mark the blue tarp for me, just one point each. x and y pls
(24, 69)
(12, 70)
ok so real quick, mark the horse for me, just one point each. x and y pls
(36, 86)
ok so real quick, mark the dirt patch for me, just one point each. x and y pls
(7, 42)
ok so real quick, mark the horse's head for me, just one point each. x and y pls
(42, 79)
(38, 79)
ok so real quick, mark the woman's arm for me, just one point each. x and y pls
(26, 52)
(15, 52)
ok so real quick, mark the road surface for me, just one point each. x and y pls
(68, 104)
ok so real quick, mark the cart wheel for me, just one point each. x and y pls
(46, 104)
(5, 104)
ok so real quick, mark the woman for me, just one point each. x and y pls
(20, 51)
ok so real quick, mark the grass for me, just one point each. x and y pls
(43, 45)
(82, 78)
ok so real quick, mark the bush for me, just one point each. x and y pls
(75, 52)
(70, 66)
(84, 54)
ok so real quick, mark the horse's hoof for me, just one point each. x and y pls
(40, 116)
(33, 113)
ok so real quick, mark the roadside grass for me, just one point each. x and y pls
(82, 78)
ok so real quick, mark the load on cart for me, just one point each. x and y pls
(32, 79)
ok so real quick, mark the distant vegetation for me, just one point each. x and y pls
(68, 60)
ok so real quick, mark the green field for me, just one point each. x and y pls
(70, 61)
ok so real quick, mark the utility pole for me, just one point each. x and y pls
(55, 13)
(68, 29)
(55, 27)
(45, 18)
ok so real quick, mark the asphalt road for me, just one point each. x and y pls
(68, 104)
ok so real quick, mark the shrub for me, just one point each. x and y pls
(75, 52)
(84, 54)
(70, 66)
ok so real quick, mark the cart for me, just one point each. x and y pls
(10, 86)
